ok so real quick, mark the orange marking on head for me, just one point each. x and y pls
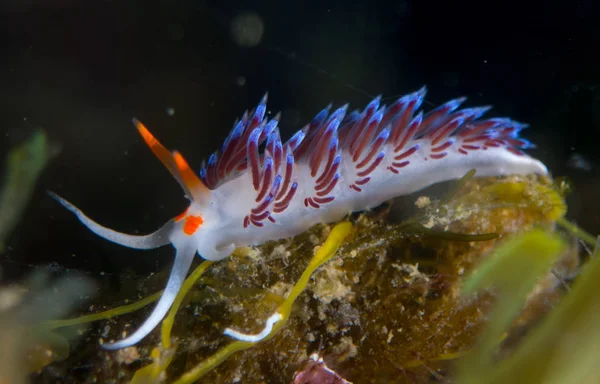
(191, 224)
(181, 215)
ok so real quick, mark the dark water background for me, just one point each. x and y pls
(83, 69)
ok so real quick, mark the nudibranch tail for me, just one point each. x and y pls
(183, 259)
(150, 241)
(176, 164)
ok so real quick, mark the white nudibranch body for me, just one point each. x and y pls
(339, 163)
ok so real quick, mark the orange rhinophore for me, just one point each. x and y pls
(177, 165)
(190, 179)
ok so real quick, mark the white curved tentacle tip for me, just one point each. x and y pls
(62, 201)
(183, 260)
(255, 338)
(65, 203)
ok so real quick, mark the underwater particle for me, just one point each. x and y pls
(170, 111)
(317, 372)
(247, 29)
(578, 161)
(240, 81)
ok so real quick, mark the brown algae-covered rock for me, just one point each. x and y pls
(385, 309)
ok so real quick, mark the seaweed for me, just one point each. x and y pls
(513, 269)
(565, 346)
(25, 347)
(24, 165)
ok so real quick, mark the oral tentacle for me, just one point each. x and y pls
(150, 241)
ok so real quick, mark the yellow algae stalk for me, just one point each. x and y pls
(108, 314)
(128, 308)
(163, 356)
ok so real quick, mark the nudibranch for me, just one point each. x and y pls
(258, 188)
